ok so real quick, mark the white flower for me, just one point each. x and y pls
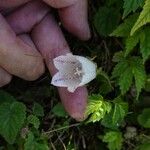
(73, 71)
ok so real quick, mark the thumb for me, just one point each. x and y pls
(60, 3)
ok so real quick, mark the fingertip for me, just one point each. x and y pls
(75, 19)
(75, 103)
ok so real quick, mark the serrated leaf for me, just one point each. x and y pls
(97, 108)
(144, 118)
(117, 114)
(114, 140)
(34, 121)
(131, 42)
(128, 68)
(131, 6)
(32, 143)
(139, 74)
(38, 110)
(105, 20)
(144, 17)
(125, 80)
(59, 110)
(119, 68)
(145, 44)
(123, 30)
(12, 116)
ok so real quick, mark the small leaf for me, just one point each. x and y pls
(32, 143)
(145, 43)
(131, 6)
(104, 81)
(125, 80)
(123, 30)
(38, 110)
(116, 115)
(139, 73)
(118, 56)
(114, 140)
(97, 108)
(6, 97)
(144, 118)
(144, 17)
(59, 110)
(12, 116)
(131, 42)
(105, 20)
(34, 121)
(128, 68)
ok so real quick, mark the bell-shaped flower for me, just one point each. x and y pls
(73, 71)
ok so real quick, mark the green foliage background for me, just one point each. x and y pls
(32, 118)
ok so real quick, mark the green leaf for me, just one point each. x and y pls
(144, 146)
(123, 30)
(118, 56)
(34, 121)
(144, 118)
(12, 116)
(116, 115)
(97, 108)
(139, 73)
(6, 97)
(59, 110)
(32, 143)
(38, 110)
(119, 68)
(131, 42)
(131, 6)
(145, 43)
(144, 17)
(105, 20)
(119, 112)
(114, 140)
(147, 84)
(104, 82)
(128, 68)
(125, 80)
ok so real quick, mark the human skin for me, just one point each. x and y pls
(30, 37)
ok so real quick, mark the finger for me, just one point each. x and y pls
(60, 3)
(17, 57)
(27, 39)
(24, 18)
(11, 3)
(51, 43)
(75, 19)
(5, 77)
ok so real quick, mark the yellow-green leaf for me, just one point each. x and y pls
(144, 17)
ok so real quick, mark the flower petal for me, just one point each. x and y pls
(66, 63)
(66, 80)
(89, 69)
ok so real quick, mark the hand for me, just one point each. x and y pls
(29, 33)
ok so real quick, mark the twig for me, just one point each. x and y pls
(62, 143)
(65, 127)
